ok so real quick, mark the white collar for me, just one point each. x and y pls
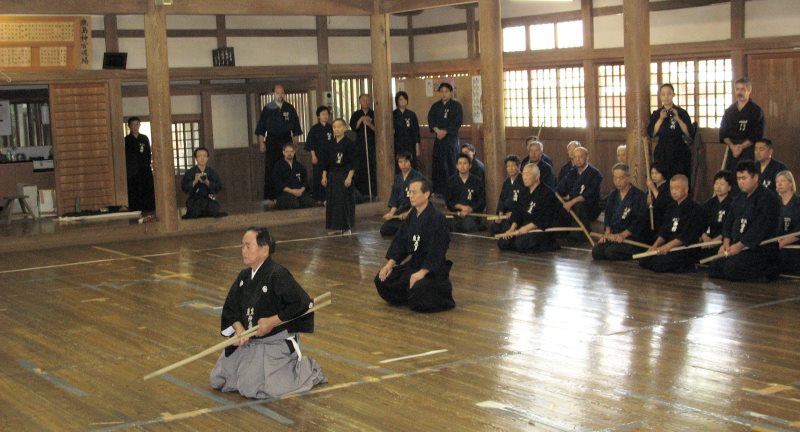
(253, 272)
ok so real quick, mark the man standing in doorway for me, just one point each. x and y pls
(279, 124)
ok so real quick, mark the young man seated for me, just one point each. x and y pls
(290, 179)
(465, 195)
(509, 195)
(399, 204)
(202, 184)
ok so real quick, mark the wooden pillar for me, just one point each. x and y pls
(381, 87)
(323, 60)
(117, 141)
(410, 20)
(636, 16)
(472, 49)
(738, 62)
(158, 95)
(208, 122)
(494, 128)
(222, 34)
(110, 32)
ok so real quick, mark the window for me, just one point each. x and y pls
(30, 125)
(543, 36)
(300, 103)
(702, 87)
(514, 39)
(552, 97)
(569, 34)
(345, 95)
(515, 94)
(185, 138)
(611, 91)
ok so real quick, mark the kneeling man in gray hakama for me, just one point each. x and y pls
(269, 364)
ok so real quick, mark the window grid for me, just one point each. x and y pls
(516, 98)
(345, 95)
(571, 98)
(611, 91)
(682, 76)
(27, 126)
(715, 87)
(544, 97)
(185, 138)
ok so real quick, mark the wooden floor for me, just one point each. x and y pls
(552, 342)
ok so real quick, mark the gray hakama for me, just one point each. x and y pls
(267, 368)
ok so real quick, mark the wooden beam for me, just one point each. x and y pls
(222, 34)
(155, 43)
(636, 22)
(207, 123)
(110, 33)
(494, 130)
(272, 7)
(397, 6)
(738, 61)
(410, 20)
(382, 96)
(472, 33)
(74, 7)
(323, 60)
(117, 141)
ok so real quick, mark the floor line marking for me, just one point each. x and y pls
(531, 417)
(429, 353)
(58, 382)
(219, 399)
(126, 255)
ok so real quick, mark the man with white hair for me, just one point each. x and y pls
(567, 167)
(536, 156)
(581, 189)
(537, 209)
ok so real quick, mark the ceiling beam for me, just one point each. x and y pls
(398, 6)
(189, 7)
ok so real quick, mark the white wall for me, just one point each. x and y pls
(274, 51)
(705, 23)
(229, 117)
(191, 52)
(191, 22)
(443, 46)
(440, 16)
(399, 49)
(270, 22)
(139, 106)
(346, 50)
(130, 22)
(608, 31)
(135, 49)
(515, 8)
(348, 22)
(765, 18)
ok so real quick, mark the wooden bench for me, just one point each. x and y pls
(5, 212)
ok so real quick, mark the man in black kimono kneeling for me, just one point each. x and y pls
(417, 272)
(269, 364)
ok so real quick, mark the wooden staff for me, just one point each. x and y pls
(679, 248)
(577, 219)
(480, 215)
(793, 247)
(548, 230)
(630, 242)
(765, 242)
(725, 158)
(319, 303)
(646, 145)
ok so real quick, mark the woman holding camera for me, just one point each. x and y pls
(202, 184)
(671, 123)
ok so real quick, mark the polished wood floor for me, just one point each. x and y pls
(552, 342)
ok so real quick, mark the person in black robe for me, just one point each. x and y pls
(417, 271)
(767, 166)
(741, 126)
(465, 195)
(317, 139)
(338, 167)
(141, 190)
(406, 130)
(444, 119)
(567, 167)
(626, 218)
(399, 204)
(535, 155)
(202, 184)
(683, 223)
(671, 124)
(659, 197)
(716, 208)
(790, 222)
(754, 217)
(265, 295)
(581, 191)
(477, 167)
(278, 124)
(509, 195)
(291, 178)
(538, 208)
(362, 122)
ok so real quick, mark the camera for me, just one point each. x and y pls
(203, 177)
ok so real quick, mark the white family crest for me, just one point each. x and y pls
(416, 239)
(742, 125)
(516, 195)
(625, 213)
(720, 215)
(675, 222)
(339, 158)
(408, 122)
(469, 194)
(286, 116)
(742, 225)
(530, 207)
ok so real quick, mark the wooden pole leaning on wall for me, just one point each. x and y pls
(320, 302)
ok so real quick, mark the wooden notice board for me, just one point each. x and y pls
(45, 43)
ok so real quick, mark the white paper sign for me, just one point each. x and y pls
(428, 87)
(477, 94)
(5, 117)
